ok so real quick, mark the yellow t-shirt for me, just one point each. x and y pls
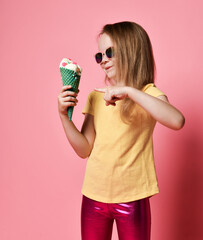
(120, 167)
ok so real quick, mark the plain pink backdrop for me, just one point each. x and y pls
(40, 175)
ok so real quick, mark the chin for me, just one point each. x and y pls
(111, 76)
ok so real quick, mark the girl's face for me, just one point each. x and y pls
(107, 64)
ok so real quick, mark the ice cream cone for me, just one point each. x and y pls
(70, 77)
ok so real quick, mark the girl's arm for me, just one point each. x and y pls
(159, 107)
(82, 142)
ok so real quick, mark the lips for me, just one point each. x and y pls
(107, 68)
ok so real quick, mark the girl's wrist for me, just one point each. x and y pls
(133, 93)
(129, 91)
(63, 115)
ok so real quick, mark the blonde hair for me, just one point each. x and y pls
(135, 65)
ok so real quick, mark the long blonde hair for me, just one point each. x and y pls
(135, 65)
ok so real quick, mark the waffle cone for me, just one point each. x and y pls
(70, 77)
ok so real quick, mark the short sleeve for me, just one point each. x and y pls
(89, 108)
(152, 90)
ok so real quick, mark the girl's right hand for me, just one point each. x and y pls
(66, 99)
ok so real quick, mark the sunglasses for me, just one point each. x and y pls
(109, 53)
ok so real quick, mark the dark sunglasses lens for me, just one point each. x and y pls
(109, 52)
(98, 57)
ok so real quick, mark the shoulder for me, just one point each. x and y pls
(152, 90)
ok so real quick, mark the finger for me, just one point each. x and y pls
(64, 88)
(70, 99)
(69, 93)
(69, 104)
(103, 90)
(110, 103)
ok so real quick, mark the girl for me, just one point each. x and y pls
(117, 135)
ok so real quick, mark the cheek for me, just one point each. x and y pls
(102, 66)
(113, 62)
(114, 65)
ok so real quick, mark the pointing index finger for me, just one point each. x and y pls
(103, 90)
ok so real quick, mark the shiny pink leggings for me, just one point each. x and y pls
(133, 220)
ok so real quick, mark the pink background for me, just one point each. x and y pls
(40, 175)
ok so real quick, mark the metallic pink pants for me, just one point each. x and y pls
(133, 220)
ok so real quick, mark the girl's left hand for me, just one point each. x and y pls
(113, 94)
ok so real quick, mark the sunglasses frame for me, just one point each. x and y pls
(99, 55)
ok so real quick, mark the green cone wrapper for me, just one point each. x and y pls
(70, 77)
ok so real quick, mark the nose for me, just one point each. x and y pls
(104, 58)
